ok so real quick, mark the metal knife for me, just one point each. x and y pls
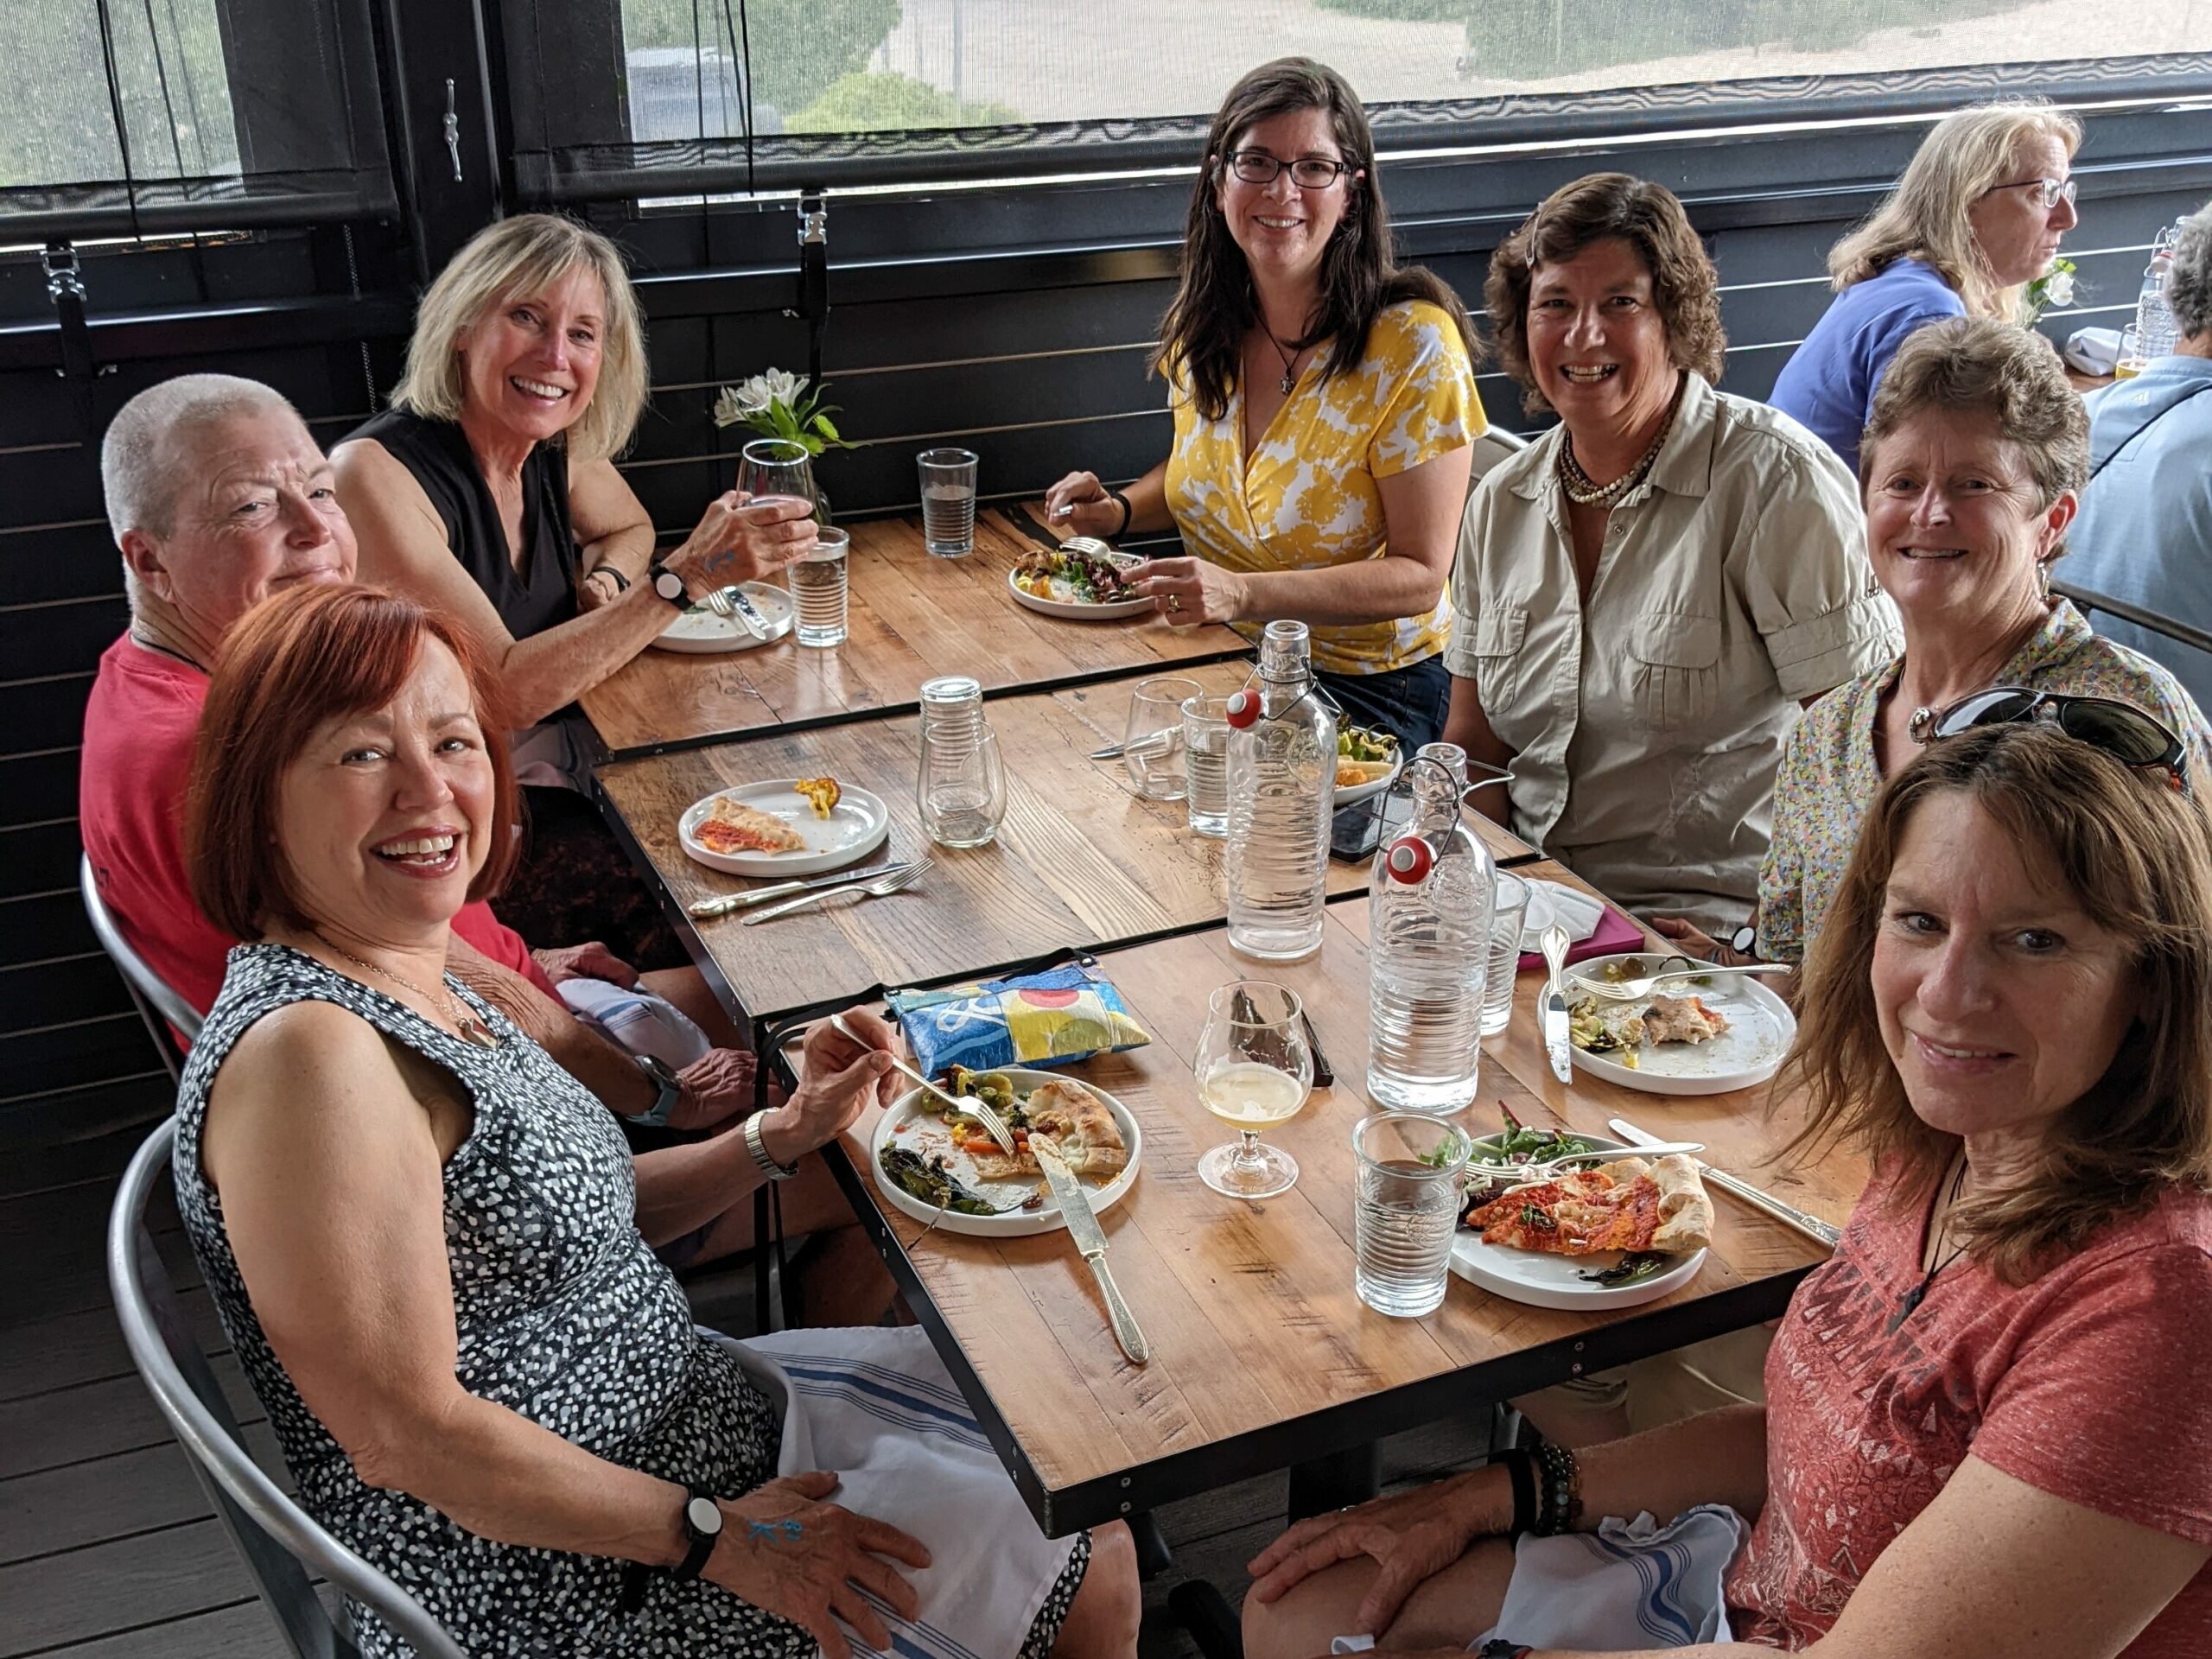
(723, 904)
(1552, 1005)
(746, 608)
(1812, 1226)
(1091, 1240)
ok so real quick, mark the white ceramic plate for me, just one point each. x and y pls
(1359, 792)
(1075, 611)
(1543, 1280)
(856, 826)
(1760, 1030)
(699, 631)
(899, 1120)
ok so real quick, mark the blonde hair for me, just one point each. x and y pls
(1925, 217)
(502, 261)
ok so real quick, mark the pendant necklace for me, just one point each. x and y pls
(471, 1029)
(1918, 1293)
(1290, 363)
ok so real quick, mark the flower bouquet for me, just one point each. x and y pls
(2055, 287)
(778, 404)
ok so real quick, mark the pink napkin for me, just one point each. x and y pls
(1616, 931)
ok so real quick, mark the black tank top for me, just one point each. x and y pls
(542, 593)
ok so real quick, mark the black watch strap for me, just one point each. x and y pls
(702, 1524)
(667, 584)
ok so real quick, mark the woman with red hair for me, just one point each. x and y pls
(430, 1245)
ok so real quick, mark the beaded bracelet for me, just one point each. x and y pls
(1558, 1489)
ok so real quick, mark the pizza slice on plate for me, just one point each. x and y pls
(1080, 1129)
(1626, 1205)
(733, 827)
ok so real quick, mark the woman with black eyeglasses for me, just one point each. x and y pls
(1977, 214)
(1972, 465)
(1325, 409)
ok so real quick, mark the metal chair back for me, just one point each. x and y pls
(159, 1006)
(280, 1544)
(1495, 446)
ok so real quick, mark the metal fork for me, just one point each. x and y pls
(1537, 1173)
(731, 605)
(968, 1105)
(1628, 990)
(876, 889)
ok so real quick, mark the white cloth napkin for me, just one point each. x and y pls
(1554, 901)
(1630, 1586)
(637, 1021)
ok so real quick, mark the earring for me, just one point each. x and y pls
(2043, 575)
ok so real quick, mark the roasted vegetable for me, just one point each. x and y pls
(928, 1180)
(1637, 1264)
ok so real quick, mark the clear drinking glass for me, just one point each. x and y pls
(1506, 919)
(1152, 744)
(772, 467)
(1205, 765)
(1254, 1070)
(948, 502)
(1410, 1174)
(817, 585)
(960, 788)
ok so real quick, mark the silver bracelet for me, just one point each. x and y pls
(755, 1144)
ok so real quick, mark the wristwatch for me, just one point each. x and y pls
(761, 1155)
(662, 1076)
(667, 584)
(1743, 939)
(702, 1524)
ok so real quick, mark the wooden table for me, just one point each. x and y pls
(1082, 859)
(911, 619)
(1262, 1355)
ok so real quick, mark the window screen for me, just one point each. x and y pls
(123, 116)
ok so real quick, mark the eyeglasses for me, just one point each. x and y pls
(1307, 172)
(2049, 191)
(2119, 729)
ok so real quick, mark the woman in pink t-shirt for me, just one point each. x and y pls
(1989, 1433)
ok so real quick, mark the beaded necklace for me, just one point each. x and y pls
(1577, 484)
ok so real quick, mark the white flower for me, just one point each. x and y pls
(2058, 287)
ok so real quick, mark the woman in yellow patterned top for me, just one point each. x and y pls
(1325, 409)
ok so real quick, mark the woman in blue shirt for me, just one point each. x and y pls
(1978, 212)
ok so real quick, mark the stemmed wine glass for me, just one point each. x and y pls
(770, 468)
(1254, 1070)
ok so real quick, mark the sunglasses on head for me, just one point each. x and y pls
(2119, 729)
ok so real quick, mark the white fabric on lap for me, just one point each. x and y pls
(636, 1021)
(877, 1407)
(1630, 1586)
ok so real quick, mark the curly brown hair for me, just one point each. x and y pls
(1979, 367)
(1599, 205)
(2134, 853)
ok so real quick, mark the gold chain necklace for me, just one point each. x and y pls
(471, 1029)
(1576, 482)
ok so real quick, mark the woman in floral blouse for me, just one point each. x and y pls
(1971, 469)
(1325, 409)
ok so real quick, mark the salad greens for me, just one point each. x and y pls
(928, 1180)
(1357, 743)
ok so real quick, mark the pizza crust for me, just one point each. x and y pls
(1685, 1211)
(733, 827)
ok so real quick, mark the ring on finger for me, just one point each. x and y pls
(1174, 601)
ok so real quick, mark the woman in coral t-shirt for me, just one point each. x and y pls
(1989, 1433)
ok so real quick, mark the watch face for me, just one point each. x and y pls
(669, 585)
(705, 1515)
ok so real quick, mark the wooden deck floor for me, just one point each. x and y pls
(107, 1548)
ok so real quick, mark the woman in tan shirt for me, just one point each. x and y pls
(1647, 593)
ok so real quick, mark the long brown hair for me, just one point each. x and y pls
(2134, 853)
(1202, 335)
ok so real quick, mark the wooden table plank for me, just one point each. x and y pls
(912, 618)
(1082, 859)
(1262, 1354)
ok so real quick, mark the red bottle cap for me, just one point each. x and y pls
(1409, 859)
(1243, 708)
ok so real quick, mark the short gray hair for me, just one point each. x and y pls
(138, 456)
(2189, 283)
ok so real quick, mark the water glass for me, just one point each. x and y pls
(1152, 744)
(1412, 1168)
(948, 502)
(817, 585)
(1507, 918)
(1205, 765)
(1255, 1067)
(960, 787)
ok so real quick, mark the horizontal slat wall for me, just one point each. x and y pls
(1016, 323)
